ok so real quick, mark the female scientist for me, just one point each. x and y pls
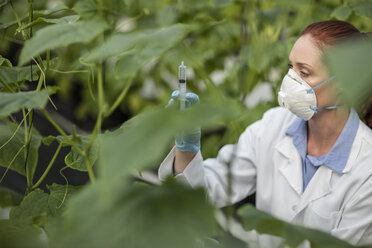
(309, 161)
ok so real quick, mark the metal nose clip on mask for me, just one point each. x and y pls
(298, 97)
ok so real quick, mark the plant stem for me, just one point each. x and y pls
(48, 168)
(59, 129)
(47, 59)
(92, 178)
(120, 98)
(71, 143)
(97, 127)
(101, 100)
(27, 152)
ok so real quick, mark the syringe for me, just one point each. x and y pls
(182, 85)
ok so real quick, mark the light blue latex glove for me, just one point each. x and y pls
(187, 141)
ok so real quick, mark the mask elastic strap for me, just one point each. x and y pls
(309, 91)
(315, 109)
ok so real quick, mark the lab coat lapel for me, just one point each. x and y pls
(318, 187)
(290, 166)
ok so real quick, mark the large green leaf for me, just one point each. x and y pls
(61, 35)
(37, 207)
(144, 39)
(293, 235)
(17, 233)
(36, 14)
(16, 75)
(43, 20)
(143, 140)
(342, 12)
(148, 47)
(13, 102)
(8, 152)
(362, 7)
(171, 215)
(3, 3)
(86, 8)
(351, 64)
(33, 208)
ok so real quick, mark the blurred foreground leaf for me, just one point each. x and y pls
(9, 197)
(16, 234)
(43, 20)
(142, 141)
(293, 235)
(102, 215)
(351, 63)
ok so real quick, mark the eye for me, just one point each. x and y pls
(304, 74)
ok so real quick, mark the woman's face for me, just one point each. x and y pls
(306, 60)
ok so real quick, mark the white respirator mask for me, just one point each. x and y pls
(298, 97)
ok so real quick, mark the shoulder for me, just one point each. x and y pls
(278, 119)
(365, 133)
(279, 114)
(274, 122)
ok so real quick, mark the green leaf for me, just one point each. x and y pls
(342, 12)
(61, 35)
(86, 8)
(5, 62)
(3, 3)
(17, 233)
(36, 14)
(59, 196)
(9, 197)
(73, 159)
(143, 140)
(38, 207)
(293, 235)
(134, 215)
(77, 162)
(148, 47)
(351, 62)
(144, 39)
(43, 20)
(362, 7)
(33, 206)
(17, 75)
(8, 152)
(14, 102)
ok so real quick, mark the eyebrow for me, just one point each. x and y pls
(303, 64)
(299, 64)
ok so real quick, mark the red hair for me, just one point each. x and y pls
(331, 32)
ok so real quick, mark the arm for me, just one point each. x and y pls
(212, 173)
(182, 160)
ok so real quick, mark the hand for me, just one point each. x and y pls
(187, 141)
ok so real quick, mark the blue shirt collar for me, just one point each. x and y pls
(337, 157)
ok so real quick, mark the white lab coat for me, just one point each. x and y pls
(266, 161)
